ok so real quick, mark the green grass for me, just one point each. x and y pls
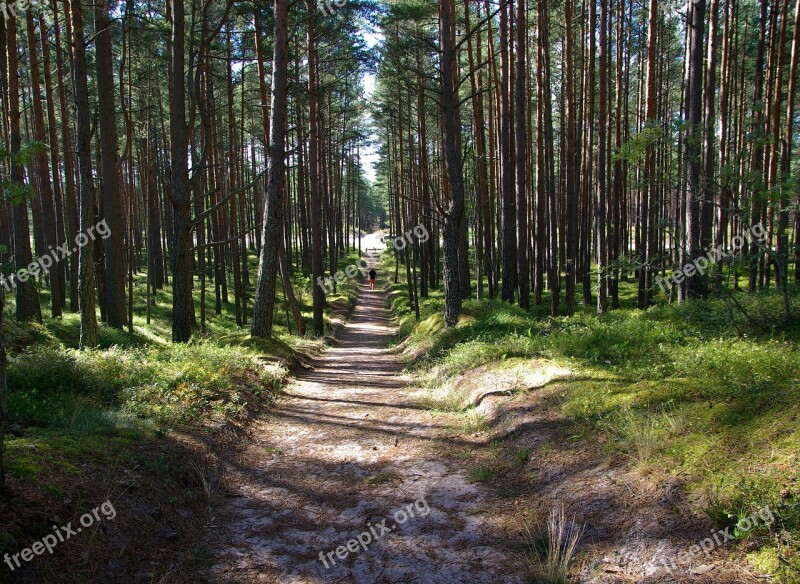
(708, 391)
(481, 474)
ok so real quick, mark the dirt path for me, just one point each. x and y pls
(348, 454)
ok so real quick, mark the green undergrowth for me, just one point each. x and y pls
(142, 374)
(164, 387)
(707, 391)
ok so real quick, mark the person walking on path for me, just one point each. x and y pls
(372, 276)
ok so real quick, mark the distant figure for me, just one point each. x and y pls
(372, 276)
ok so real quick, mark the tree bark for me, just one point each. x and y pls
(113, 204)
(571, 166)
(273, 217)
(182, 302)
(521, 144)
(509, 214)
(47, 204)
(27, 299)
(455, 211)
(650, 182)
(88, 202)
(313, 177)
(695, 284)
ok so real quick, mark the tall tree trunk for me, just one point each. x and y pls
(707, 205)
(113, 204)
(786, 156)
(757, 158)
(695, 284)
(571, 259)
(26, 296)
(483, 234)
(650, 183)
(273, 217)
(602, 194)
(71, 206)
(548, 167)
(54, 159)
(47, 204)
(88, 202)
(506, 172)
(182, 302)
(521, 144)
(313, 177)
(454, 212)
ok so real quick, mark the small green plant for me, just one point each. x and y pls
(722, 509)
(727, 505)
(480, 474)
(522, 455)
(208, 481)
(473, 421)
(640, 434)
(381, 477)
(551, 548)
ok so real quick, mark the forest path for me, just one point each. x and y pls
(347, 453)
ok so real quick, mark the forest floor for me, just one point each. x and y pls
(463, 493)
(410, 452)
(668, 438)
(348, 453)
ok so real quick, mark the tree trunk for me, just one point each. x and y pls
(113, 204)
(602, 194)
(313, 176)
(452, 218)
(86, 294)
(26, 296)
(571, 259)
(650, 182)
(54, 159)
(782, 266)
(506, 173)
(182, 301)
(695, 284)
(273, 217)
(47, 205)
(71, 206)
(521, 144)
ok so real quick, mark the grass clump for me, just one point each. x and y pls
(481, 474)
(551, 548)
(640, 435)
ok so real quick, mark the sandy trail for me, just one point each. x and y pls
(347, 449)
